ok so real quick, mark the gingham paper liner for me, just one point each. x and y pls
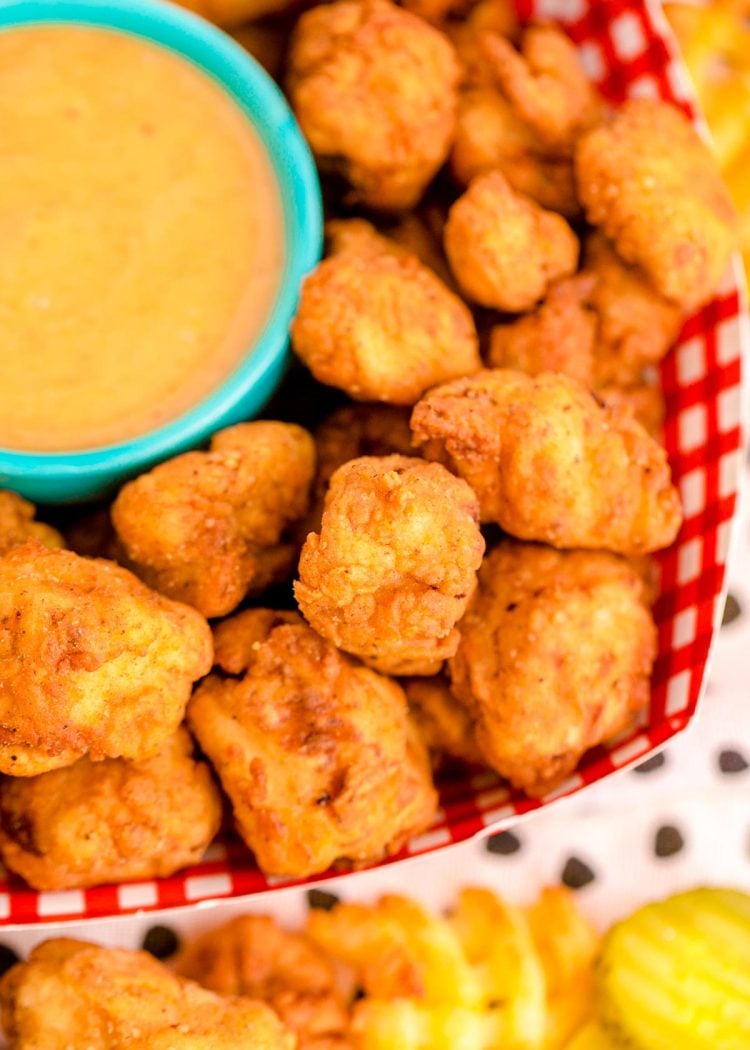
(628, 50)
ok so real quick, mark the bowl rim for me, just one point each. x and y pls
(255, 93)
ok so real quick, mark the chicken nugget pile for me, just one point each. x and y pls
(488, 975)
(436, 551)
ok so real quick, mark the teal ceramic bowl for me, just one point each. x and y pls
(67, 477)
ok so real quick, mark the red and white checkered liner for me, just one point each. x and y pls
(627, 48)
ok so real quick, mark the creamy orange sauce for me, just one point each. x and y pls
(141, 237)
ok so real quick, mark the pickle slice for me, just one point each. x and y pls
(676, 974)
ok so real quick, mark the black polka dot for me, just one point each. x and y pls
(8, 958)
(655, 762)
(668, 841)
(504, 843)
(732, 761)
(576, 874)
(161, 942)
(321, 899)
(732, 610)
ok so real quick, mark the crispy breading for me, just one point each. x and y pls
(252, 956)
(316, 753)
(110, 821)
(546, 84)
(348, 433)
(644, 400)
(636, 326)
(555, 657)
(491, 136)
(374, 88)
(550, 463)
(377, 323)
(73, 994)
(504, 250)
(415, 233)
(443, 722)
(237, 639)
(394, 565)
(206, 527)
(646, 178)
(17, 524)
(558, 336)
(91, 661)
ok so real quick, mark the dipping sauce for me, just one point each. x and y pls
(141, 237)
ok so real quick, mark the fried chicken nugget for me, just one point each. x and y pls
(550, 463)
(316, 753)
(394, 565)
(111, 821)
(17, 524)
(555, 657)
(644, 400)
(205, 527)
(348, 433)
(443, 722)
(491, 136)
(252, 956)
(504, 250)
(378, 324)
(91, 661)
(546, 84)
(73, 994)
(558, 336)
(374, 89)
(636, 325)
(652, 185)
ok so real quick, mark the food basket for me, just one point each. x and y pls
(627, 49)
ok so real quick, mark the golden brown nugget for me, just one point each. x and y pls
(316, 753)
(17, 524)
(73, 994)
(378, 324)
(237, 639)
(443, 722)
(548, 462)
(651, 184)
(92, 662)
(636, 325)
(206, 527)
(555, 657)
(491, 136)
(546, 84)
(374, 88)
(394, 565)
(252, 956)
(558, 336)
(415, 233)
(111, 821)
(504, 250)
(644, 401)
(348, 433)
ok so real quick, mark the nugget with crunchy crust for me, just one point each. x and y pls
(72, 994)
(555, 657)
(206, 527)
(374, 89)
(504, 250)
(546, 84)
(394, 565)
(252, 956)
(551, 463)
(316, 753)
(377, 323)
(92, 662)
(443, 722)
(111, 821)
(17, 524)
(646, 178)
